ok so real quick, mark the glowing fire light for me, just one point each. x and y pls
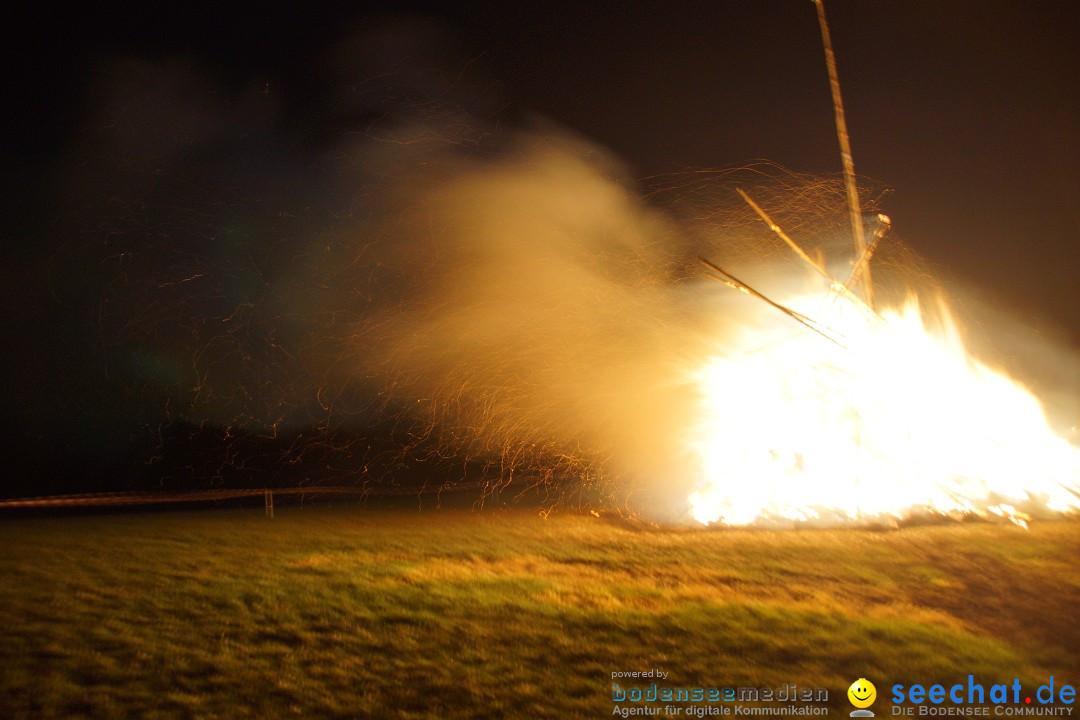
(894, 419)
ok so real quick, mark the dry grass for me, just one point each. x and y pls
(395, 614)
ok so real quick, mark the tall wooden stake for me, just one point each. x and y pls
(845, 156)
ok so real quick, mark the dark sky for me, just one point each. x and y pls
(970, 111)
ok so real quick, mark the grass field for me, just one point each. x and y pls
(448, 614)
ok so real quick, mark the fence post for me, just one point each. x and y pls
(268, 495)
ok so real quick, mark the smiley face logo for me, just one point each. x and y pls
(862, 693)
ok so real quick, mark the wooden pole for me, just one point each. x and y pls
(855, 213)
(268, 496)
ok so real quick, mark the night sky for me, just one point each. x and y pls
(970, 112)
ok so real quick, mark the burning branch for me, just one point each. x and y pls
(834, 284)
(734, 282)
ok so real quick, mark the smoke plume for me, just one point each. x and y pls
(391, 250)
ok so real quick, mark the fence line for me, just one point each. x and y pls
(150, 498)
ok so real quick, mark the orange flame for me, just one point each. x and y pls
(891, 420)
